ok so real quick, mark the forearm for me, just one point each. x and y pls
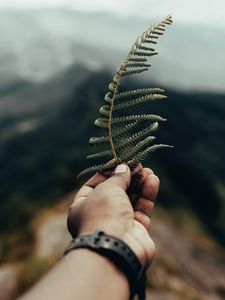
(81, 274)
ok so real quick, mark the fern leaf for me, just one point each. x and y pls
(150, 42)
(102, 123)
(162, 29)
(139, 158)
(106, 153)
(145, 53)
(127, 154)
(157, 32)
(123, 130)
(137, 118)
(162, 25)
(104, 110)
(138, 92)
(153, 36)
(126, 139)
(137, 136)
(146, 48)
(138, 101)
(137, 65)
(103, 140)
(138, 59)
(108, 98)
(132, 72)
(168, 21)
(132, 151)
(100, 168)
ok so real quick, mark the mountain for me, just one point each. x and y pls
(40, 164)
(20, 98)
(52, 40)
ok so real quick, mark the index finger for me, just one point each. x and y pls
(89, 186)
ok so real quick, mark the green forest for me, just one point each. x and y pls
(40, 165)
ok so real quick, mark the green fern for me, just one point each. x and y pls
(128, 137)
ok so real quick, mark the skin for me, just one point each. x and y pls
(104, 203)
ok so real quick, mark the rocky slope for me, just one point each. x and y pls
(186, 267)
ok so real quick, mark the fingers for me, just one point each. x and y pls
(142, 218)
(150, 187)
(143, 208)
(121, 177)
(142, 235)
(97, 179)
(88, 187)
(144, 172)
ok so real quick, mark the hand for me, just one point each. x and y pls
(103, 203)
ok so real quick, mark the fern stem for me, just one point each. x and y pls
(111, 116)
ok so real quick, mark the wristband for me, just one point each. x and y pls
(117, 252)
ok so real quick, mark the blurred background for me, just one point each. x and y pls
(56, 60)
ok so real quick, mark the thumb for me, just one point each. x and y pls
(121, 177)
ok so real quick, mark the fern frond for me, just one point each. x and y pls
(137, 65)
(138, 92)
(132, 72)
(146, 48)
(123, 130)
(157, 32)
(104, 110)
(138, 59)
(102, 123)
(106, 153)
(153, 36)
(161, 29)
(102, 140)
(168, 21)
(139, 53)
(108, 98)
(137, 135)
(138, 101)
(139, 158)
(137, 118)
(131, 152)
(126, 140)
(150, 42)
(98, 168)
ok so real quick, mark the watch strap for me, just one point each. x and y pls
(119, 253)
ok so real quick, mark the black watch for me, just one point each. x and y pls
(119, 253)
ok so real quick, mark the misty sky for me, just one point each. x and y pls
(211, 12)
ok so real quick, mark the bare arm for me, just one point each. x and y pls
(81, 274)
(102, 203)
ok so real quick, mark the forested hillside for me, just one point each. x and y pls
(41, 157)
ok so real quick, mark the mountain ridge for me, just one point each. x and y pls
(187, 51)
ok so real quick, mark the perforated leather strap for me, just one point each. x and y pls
(119, 253)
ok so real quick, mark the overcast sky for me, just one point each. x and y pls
(211, 12)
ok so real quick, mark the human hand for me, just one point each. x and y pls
(103, 203)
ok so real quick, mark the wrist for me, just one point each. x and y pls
(120, 231)
(118, 252)
(111, 227)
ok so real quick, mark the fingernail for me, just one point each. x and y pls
(149, 171)
(121, 169)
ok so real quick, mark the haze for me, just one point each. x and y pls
(205, 12)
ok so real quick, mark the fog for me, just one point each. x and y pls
(204, 12)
